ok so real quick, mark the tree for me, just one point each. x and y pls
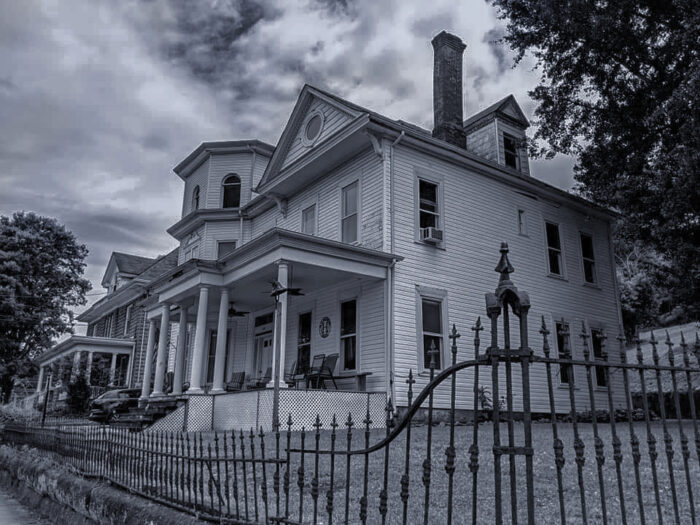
(41, 268)
(620, 89)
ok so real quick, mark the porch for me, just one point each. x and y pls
(290, 305)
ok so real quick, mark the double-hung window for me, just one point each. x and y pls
(308, 220)
(588, 258)
(554, 248)
(510, 151)
(431, 314)
(224, 248)
(597, 343)
(428, 204)
(564, 369)
(350, 213)
(304, 343)
(348, 335)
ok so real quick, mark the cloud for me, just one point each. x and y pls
(98, 100)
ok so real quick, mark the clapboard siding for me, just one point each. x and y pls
(334, 119)
(199, 177)
(223, 165)
(366, 167)
(224, 231)
(480, 213)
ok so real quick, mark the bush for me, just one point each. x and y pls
(78, 392)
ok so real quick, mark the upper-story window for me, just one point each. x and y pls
(510, 151)
(232, 191)
(224, 248)
(554, 248)
(350, 212)
(308, 220)
(588, 258)
(195, 198)
(428, 204)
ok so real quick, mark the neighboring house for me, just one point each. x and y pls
(111, 353)
(390, 231)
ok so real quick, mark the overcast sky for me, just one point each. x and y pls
(100, 99)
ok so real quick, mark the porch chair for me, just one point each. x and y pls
(326, 371)
(314, 369)
(262, 381)
(289, 376)
(236, 383)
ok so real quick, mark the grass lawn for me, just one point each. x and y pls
(546, 504)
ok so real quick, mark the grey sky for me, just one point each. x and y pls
(99, 100)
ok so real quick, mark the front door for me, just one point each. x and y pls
(263, 354)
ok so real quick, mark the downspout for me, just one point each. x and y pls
(240, 224)
(392, 284)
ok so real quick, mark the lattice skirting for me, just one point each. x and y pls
(246, 410)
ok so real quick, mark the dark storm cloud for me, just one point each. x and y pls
(98, 100)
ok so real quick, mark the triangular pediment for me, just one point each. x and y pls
(316, 118)
(510, 108)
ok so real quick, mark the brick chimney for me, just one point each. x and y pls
(447, 89)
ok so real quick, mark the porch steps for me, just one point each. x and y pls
(138, 418)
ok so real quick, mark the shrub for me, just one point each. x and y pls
(78, 392)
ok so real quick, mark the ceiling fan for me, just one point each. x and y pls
(232, 312)
(278, 289)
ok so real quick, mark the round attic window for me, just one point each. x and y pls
(312, 128)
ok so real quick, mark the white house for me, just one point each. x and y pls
(391, 233)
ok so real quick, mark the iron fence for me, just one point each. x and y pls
(504, 468)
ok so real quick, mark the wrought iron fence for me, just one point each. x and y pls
(416, 472)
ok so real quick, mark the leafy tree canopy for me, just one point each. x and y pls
(619, 90)
(41, 268)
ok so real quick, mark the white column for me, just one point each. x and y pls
(162, 359)
(200, 335)
(112, 369)
(40, 380)
(220, 358)
(88, 368)
(76, 366)
(180, 353)
(280, 331)
(148, 365)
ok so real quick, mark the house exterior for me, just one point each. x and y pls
(389, 232)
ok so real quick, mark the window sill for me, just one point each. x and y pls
(557, 277)
(440, 246)
(592, 286)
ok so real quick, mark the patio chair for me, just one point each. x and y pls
(236, 383)
(314, 369)
(262, 381)
(326, 371)
(289, 376)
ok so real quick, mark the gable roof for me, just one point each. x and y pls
(133, 264)
(516, 114)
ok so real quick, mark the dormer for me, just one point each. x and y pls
(497, 133)
(122, 268)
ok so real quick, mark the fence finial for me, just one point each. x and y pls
(504, 267)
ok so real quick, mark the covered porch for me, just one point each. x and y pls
(299, 313)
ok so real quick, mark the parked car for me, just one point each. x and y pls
(104, 407)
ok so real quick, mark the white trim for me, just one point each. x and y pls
(582, 259)
(345, 297)
(358, 213)
(522, 220)
(305, 206)
(562, 258)
(305, 141)
(439, 181)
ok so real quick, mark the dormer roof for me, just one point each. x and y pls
(205, 149)
(506, 108)
(125, 263)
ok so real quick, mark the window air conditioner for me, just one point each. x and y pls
(431, 235)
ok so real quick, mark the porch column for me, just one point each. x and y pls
(88, 368)
(76, 366)
(162, 359)
(148, 365)
(40, 380)
(113, 370)
(220, 357)
(200, 335)
(280, 329)
(180, 352)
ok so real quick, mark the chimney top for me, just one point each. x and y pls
(443, 38)
(447, 89)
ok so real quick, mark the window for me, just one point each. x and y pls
(431, 314)
(554, 248)
(195, 198)
(564, 370)
(232, 192)
(304, 343)
(350, 215)
(588, 258)
(428, 204)
(308, 220)
(224, 248)
(522, 223)
(348, 335)
(510, 151)
(313, 128)
(597, 343)
(107, 332)
(127, 318)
